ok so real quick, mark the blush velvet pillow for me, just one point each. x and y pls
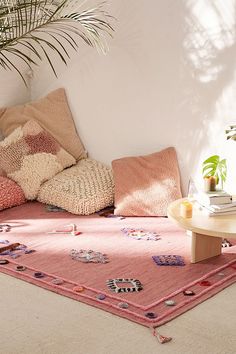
(10, 193)
(53, 114)
(31, 156)
(145, 185)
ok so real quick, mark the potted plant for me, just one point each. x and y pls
(215, 171)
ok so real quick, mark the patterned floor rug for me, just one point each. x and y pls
(136, 268)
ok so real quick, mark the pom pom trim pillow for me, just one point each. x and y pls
(82, 189)
(145, 185)
(53, 114)
(10, 193)
(31, 156)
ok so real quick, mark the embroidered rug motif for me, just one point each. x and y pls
(166, 292)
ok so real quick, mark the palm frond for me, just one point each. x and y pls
(31, 29)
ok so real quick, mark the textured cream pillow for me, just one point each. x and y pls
(82, 189)
(145, 185)
(53, 114)
(31, 156)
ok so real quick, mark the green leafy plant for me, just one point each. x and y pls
(30, 30)
(231, 132)
(214, 166)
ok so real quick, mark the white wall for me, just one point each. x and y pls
(168, 80)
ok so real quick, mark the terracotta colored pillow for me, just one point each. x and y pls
(82, 189)
(31, 156)
(145, 185)
(53, 114)
(10, 193)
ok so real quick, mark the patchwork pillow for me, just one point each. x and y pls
(145, 185)
(53, 114)
(82, 189)
(10, 193)
(31, 156)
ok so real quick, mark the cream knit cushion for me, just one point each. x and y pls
(53, 114)
(82, 189)
(31, 156)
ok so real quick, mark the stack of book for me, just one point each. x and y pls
(216, 203)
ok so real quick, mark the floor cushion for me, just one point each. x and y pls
(82, 189)
(10, 193)
(145, 185)
(31, 156)
(53, 114)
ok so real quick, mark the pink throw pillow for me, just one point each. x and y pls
(10, 193)
(145, 185)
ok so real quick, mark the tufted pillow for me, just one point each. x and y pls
(10, 193)
(82, 189)
(31, 156)
(145, 185)
(53, 114)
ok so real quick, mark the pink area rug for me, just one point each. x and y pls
(128, 259)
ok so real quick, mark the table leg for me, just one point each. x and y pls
(204, 247)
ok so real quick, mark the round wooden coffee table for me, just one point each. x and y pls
(207, 231)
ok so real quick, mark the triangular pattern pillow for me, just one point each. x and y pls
(53, 114)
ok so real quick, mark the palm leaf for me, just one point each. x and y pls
(231, 132)
(31, 29)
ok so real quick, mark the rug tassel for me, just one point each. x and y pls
(161, 339)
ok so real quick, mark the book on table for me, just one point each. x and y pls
(213, 198)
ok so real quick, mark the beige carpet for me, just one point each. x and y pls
(36, 321)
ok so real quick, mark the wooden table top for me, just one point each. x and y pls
(219, 226)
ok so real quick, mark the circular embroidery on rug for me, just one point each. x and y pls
(101, 297)
(78, 289)
(116, 285)
(140, 234)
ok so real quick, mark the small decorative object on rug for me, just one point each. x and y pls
(188, 293)
(3, 261)
(5, 227)
(123, 305)
(140, 234)
(53, 208)
(226, 243)
(109, 213)
(10, 249)
(113, 285)
(20, 268)
(101, 297)
(38, 275)
(151, 315)
(57, 281)
(88, 256)
(170, 303)
(78, 289)
(205, 283)
(168, 260)
(71, 231)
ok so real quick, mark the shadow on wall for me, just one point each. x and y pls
(208, 75)
(167, 81)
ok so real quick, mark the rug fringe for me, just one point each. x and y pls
(161, 339)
